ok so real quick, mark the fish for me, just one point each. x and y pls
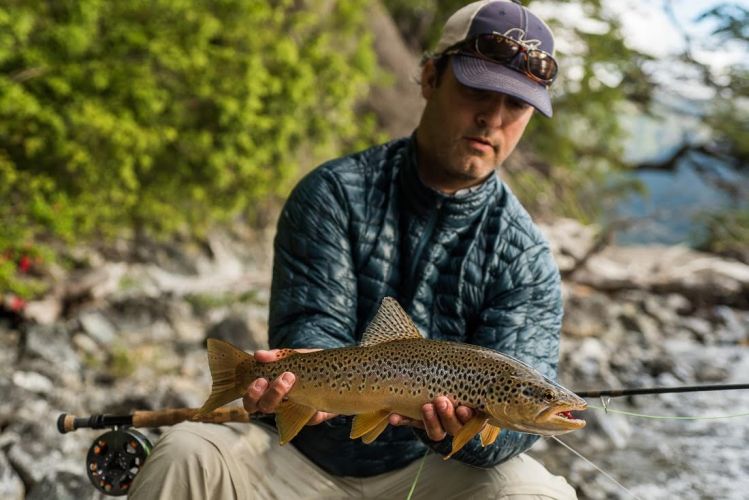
(396, 370)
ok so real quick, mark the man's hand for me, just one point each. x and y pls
(265, 398)
(439, 418)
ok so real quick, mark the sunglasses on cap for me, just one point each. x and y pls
(536, 64)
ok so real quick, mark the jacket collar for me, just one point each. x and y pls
(459, 207)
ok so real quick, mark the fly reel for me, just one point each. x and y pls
(115, 458)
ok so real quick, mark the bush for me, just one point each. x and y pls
(161, 115)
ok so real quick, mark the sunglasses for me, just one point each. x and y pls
(536, 64)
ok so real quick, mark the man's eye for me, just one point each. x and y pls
(473, 93)
(517, 103)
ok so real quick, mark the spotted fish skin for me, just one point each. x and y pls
(401, 375)
(395, 370)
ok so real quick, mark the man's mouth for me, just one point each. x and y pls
(480, 142)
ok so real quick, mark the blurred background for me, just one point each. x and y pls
(146, 148)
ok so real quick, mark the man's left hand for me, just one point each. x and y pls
(438, 418)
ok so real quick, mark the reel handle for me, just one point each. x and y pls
(170, 416)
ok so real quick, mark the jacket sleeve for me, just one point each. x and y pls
(521, 317)
(313, 293)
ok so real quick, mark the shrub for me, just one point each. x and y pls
(158, 115)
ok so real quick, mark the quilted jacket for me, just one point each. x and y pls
(471, 267)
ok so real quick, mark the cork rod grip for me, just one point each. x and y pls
(172, 416)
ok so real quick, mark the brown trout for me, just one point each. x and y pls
(396, 370)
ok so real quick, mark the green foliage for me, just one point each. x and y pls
(164, 114)
(729, 116)
(121, 363)
(727, 233)
(600, 77)
(729, 122)
(203, 303)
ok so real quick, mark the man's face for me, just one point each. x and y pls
(465, 133)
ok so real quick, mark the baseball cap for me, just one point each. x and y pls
(505, 18)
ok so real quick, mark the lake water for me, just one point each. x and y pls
(669, 211)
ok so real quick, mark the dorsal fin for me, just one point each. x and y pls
(390, 323)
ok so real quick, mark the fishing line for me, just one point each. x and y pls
(607, 475)
(416, 479)
(664, 417)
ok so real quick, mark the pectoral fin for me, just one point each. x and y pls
(290, 418)
(367, 422)
(470, 429)
(489, 434)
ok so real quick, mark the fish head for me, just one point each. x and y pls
(536, 405)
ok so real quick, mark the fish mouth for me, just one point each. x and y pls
(562, 417)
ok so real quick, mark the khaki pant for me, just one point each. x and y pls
(245, 461)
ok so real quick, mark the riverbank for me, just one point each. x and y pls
(121, 334)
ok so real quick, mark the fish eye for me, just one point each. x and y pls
(548, 396)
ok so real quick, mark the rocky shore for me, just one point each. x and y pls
(122, 333)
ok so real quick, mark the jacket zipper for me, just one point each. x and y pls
(429, 230)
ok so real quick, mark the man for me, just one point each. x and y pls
(423, 219)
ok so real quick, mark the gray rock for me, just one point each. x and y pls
(98, 327)
(87, 345)
(63, 485)
(233, 330)
(616, 428)
(678, 303)
(587, 314)
(187, 327)
(570, 241)
(51, 344)
(45, 311)
(161, 332)
(708, 372)
(11, 486)
(732, 330)
(702, 329)
(33, 382)
(25, 464)
(589, 358)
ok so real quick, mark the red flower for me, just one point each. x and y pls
(24, 264)
(17, 304)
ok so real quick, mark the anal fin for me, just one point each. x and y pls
(470, 429)
(489, 434)
(374, 433)
(366, 422)
(290, 418)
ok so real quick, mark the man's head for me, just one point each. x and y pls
(492, 66)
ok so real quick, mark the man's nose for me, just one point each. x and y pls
(492, 114)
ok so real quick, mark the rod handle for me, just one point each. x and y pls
(144, 418)
(172, 416)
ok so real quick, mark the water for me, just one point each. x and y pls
(668, 459)
(669, 211)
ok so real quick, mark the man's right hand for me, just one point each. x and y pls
(265, 397)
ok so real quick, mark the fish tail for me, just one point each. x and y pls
(223, 360)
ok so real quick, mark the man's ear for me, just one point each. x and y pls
(428, 79)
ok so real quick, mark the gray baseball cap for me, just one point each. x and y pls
(506, 18)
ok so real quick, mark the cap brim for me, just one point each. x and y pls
(487, 75)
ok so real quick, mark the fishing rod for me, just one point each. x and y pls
(614, 393)
(116, 457)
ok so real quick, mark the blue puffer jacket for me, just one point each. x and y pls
(470, 267)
